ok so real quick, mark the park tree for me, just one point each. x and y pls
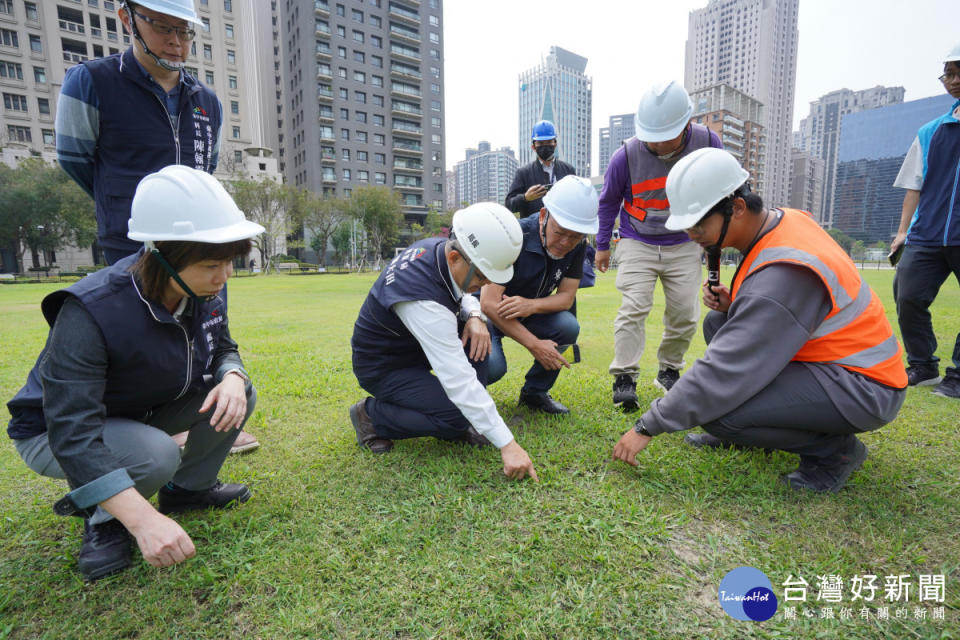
(438, 222)
(277, 207)
(322, 216)
(377, 209)
(342, 239)
(43, 210)
(842, 239)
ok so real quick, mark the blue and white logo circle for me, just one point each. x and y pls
(747, 594)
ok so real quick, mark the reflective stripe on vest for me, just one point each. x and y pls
(855, 334)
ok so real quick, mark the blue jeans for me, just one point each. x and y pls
(920, 274)
(561, 327)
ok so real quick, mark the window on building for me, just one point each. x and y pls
(434, 87)
(435, 138)
(362, 136)
(356, 15)
(346, 175)
(209, 77)
(8, 38)
(43, 106)
(228, 5)
(344, 114)
(378, 100)
(238, 157)
(35, 44)
(341, 31)
(232, 81)
(48, 136)
(358, 36)
(6, 6)
(361, 116)
(435, 123)
(345, 154)
(344, 94)
(376, 42)
(359, 56)
(380, 178)
(379, 139)
(31, 9)
(19, 134)
(376, 21)
(434, 37)
(378, 120)
(376, 81)
(14, 102)
(435, 105)
(11, 70)
(341, 11)
(208, 52)
(361, 156)
(235, 107)
(228, 30)
(376, 61)
(231, 56)
(344, 134)
(363, 175)
(342, 72)
(434, 21)
(435, 72)
(360, 97)
(359, 76)
(236, 132)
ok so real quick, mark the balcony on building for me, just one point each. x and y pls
(410, 183)
(411, 147)
(325, 94)
(324, 73)
(401, 108)
(404, 34)
(403, 52)
(733, 142)
(409, 165)
(321, 8)
(404, 71)
(406, 15)
(70, 20)
(328, 155)
(322, 29)
(729, 119)
(74, 51)
(405, 126)
(404, 90)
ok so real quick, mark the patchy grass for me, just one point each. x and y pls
(431, 541)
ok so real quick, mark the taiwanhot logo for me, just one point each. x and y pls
(200, 110)
(747, 594)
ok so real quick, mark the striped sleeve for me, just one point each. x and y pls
(78, 126)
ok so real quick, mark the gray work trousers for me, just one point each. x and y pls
(792, 413)
(147, 451)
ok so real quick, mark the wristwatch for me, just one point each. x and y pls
(641, 428)
(476, 313)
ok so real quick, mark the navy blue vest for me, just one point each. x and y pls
(380, 340)
(152, 361)
(136, 138)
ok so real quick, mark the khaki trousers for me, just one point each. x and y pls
(639, 266)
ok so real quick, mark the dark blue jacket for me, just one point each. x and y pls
(936, 222)
(136, 137)
(153, 359)
(381, 342)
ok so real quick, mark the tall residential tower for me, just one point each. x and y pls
(751, 45)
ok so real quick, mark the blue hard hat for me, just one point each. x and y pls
(544, 130)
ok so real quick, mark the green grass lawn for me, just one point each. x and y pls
(431, 541)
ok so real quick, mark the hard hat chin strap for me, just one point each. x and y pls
(164, 64)
(152, 248)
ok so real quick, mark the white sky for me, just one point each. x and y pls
(629, 44)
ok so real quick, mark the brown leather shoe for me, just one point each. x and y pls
(366, 434)
(472, 438)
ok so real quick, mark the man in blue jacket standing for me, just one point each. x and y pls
(122, 117)
(929, 236)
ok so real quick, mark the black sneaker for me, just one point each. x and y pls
(949, 388)
(923, 375)
(173, 499)
(105, 550)
(829, 473)
(542, 402)
(667, 378)
(625, 393)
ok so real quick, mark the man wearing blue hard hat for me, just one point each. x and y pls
(533, 181)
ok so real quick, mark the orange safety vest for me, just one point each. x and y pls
(855, 334)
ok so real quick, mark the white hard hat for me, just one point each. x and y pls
(573, 203)
(491, 237)
(954, 55)
(183, 9)
(699, 181)
(181, 203)
(664, 111)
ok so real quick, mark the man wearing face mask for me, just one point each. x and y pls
(634, 187)
(420, 344)
(533, 181)
(534, 307)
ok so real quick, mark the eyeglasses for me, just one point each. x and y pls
(184, 33)
(949, 76)
(566, 236)
(699, 227)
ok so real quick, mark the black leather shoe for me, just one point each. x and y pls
(366, 435)
(106, 549)
(173, 499)
(829, 473)
(542, 402)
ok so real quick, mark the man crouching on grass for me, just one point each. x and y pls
(800, 355)
(420, 317)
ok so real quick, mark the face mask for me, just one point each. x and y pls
(546, 152)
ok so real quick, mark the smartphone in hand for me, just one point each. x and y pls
(894, 256)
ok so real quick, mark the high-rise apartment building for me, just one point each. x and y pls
(738, 121)
(820, 133)
(41, 39)
(872, 146)
(557, 90)
(485, 175)
(806, 182)
(621, 128)
(363, 98)
(751, 45)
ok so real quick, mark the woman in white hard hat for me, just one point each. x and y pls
(800, 355)
(136, 352)
(419, 316)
